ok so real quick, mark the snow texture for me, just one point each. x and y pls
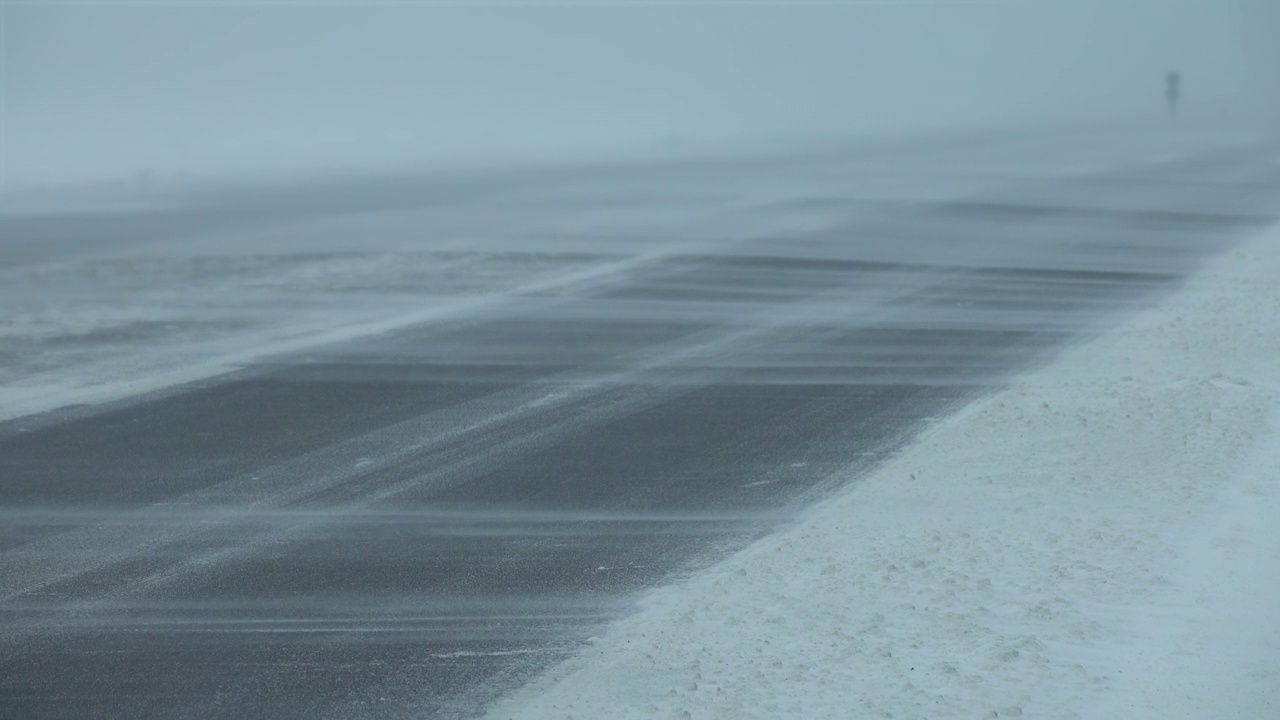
(1100, 540)
(109, 320)
(96, 329)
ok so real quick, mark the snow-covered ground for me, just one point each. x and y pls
(104, 320)
(1100, 540)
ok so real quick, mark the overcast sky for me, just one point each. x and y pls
(112, 89)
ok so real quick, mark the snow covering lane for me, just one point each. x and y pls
(119, 295)
(605, 380)
(1100, 540)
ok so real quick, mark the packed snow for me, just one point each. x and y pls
(1099, 540)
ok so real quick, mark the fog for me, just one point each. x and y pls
(129, 90)
(297, 420)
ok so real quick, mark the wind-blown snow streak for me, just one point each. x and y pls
(1099, 540)
(615, 323)
(94, 314)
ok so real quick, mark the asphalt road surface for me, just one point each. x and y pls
(407, 524)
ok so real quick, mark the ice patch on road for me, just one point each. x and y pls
(1100, 540)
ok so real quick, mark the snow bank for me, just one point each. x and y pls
(1100, 540)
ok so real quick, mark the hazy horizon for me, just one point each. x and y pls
(237, 88)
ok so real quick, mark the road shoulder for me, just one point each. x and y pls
(1086, 543)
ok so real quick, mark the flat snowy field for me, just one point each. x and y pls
(1100, 540)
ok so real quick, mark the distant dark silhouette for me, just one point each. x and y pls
(1173, 83)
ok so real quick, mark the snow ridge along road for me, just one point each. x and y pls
(414, 521)
(1100, 540)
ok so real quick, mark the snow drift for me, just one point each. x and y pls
(1098, 540)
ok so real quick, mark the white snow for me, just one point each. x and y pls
(1100, 540)
(104, 319)
(99, 329)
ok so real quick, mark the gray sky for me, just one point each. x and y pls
(98, 90)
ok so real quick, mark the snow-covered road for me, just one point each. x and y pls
(112, 294)
(391, 448)
(1099, 540)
